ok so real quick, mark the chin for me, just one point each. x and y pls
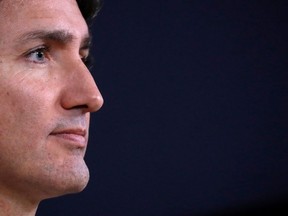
(70, 182)
(67, 188)
(76, 183)
(80, 186)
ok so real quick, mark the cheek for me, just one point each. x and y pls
(24, 125)
(25, 112)
(27, 102)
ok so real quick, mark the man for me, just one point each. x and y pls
(46, 97)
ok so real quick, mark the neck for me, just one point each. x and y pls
(13, 205)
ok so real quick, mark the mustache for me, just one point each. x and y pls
(72, 123)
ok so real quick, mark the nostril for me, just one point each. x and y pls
(84, 106)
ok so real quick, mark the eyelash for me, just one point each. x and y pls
(87, 60)
(43, 50)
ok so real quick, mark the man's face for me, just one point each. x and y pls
(46, 95)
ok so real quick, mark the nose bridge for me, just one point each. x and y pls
(81, 90)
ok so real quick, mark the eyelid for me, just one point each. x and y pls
(88, 61)
(41, 48)
(85, 56)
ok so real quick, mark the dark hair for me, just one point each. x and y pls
(89, 8)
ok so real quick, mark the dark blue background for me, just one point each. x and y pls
(195, 117)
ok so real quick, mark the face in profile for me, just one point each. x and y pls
(46, 96)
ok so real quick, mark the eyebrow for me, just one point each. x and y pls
(59, 36)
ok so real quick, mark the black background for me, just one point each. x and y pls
(195, 114)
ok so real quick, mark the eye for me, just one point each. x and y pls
(38, 55)
(88, 61)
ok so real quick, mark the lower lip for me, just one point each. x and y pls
(74, 139)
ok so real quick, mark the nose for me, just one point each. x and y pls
(80, 90)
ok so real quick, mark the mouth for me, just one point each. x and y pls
(74, 137)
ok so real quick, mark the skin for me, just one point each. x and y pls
(46, 97)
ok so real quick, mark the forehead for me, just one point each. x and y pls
(8, 6)
(18, 16)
